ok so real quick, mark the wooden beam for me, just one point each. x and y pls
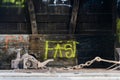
(73, 21)
(32, 17)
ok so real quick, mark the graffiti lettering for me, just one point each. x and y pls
(61, 49)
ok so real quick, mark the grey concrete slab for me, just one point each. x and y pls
(84, 74)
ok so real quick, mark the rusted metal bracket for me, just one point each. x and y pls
(73, 21)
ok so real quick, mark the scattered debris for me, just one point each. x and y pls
(27, 61)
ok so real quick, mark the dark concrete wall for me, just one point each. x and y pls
(95, 25)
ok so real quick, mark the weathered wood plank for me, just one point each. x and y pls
(74, 16)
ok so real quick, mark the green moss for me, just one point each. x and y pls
(14, 3)
(118, 29)
(118, 25)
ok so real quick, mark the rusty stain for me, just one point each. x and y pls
(13, 39)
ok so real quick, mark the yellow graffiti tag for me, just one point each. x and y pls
(66, 49)
(58, 50)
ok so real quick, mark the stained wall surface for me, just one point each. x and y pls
(95, 29)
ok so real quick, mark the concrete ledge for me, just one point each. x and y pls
(73, 75)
